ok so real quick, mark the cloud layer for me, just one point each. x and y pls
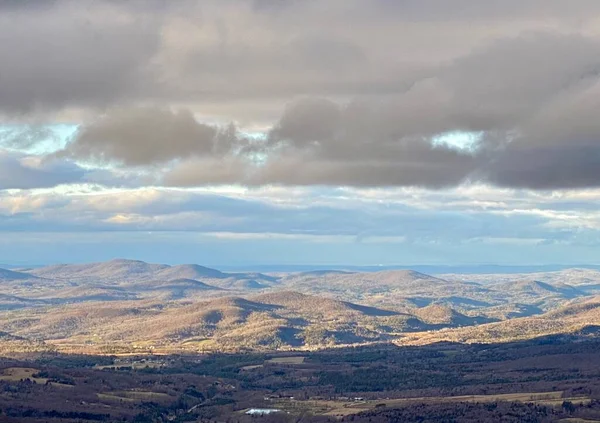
(443, 127)
(292, 225)
(353, 93)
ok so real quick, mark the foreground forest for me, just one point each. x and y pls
(551, 379)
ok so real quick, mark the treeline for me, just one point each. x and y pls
(53, 414)
(383, 378)
(462, 412)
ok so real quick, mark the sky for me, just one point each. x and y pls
(245, 132)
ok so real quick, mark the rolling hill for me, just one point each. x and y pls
(11, 275)
(577, 317)
(133, 305)
(122, 271)
(281, 320)
(574, 277)
(114, 270)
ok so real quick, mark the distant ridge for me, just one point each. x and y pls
(431, 269)
(198, 308)
(189, 271)
(123, 270)
(118, 268)
(540, 289)
(7, 275)
(181, 283)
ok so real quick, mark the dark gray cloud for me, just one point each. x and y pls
(142, 136)
(368, 87)
(545, 168)
(360, 144)
(309, 121)
(504, 84)
(7, 5)
(70, 54)
(81, 54)
(473, 11)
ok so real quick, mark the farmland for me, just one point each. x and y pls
(549, 379)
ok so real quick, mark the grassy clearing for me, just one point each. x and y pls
(144, 395)
(60, 385)
(134, 396)
(15, 374)
(277, 360)
(346, 411)
(132, 365)
(345, 408)
(558, 402)
(196, 340)
(287, 360)
(110, 397)
(256, 366)
(537, 397)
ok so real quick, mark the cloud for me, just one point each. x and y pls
(73, 54)
(25, 172)
(369, 226)
(359, 144)
(421, 129)
(210, 171)
(220, 55)
(346, 94)
(142, 136)
(335, 214)
(28, 136)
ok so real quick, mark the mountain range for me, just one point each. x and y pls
(125, 305)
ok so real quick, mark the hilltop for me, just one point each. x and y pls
(578, 317)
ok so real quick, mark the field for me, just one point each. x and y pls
(21, 373)
(545, 380)
(133, 396)
(287, 360)
(276, 360)
(354, 406)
